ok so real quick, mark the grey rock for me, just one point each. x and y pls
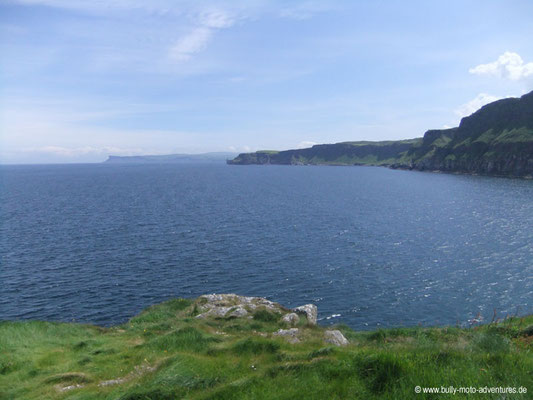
(231, 299)
(291, 335)
(215, 312)
(310, 310)
(335, 337)
(238, 312)
(291, 319)
(66, 388)
(232, 305)
(112, 382)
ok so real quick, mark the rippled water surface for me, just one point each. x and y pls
(370, 246)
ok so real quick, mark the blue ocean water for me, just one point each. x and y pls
(370, 246)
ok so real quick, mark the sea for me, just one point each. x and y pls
(371, 247)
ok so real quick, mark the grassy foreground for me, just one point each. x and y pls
(167, 353)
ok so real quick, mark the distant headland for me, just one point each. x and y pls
(172, 158)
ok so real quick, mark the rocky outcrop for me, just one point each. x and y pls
(335, 337)
(310, 311)
(291, 319)
(235, 306)
(291, 335)
(138, 371)
(232, 305)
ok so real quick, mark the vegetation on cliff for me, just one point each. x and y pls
(495, 140)
(169, 352)
(347, 153)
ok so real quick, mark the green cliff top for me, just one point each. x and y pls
(230, 348)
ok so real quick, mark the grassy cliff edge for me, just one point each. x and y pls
(227, 348)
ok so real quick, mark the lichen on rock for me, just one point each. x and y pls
(291, 319)
(291, 335)
(310, 310)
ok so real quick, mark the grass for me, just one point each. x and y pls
(166, 353)
(520, 135)
(267, 151)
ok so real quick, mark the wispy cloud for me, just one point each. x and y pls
(202, 18)
(508, 66)
(190, 44)
(208, 21)
(475, 104)
(239, 149)
(305, 144)
(212, 18)
(305, 10)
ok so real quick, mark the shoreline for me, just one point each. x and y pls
(523, 177)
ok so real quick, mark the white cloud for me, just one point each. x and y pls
(196, 40)
(475, 104)
(216, 19)
(207, 18)
(239, 149)
(305, 10)
(508, 66)
(305, 144)
(191, 44)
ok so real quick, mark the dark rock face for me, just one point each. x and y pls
(505, 161)
(495, 140)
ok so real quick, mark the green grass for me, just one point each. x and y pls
(520, 135)
(384, 142)
(486, 137)
(442, 141)
(267, 151)
(266, 316)
(166, 353)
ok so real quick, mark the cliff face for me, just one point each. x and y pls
(347, 153)
(495, 140)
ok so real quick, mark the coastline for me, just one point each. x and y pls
(401, 168)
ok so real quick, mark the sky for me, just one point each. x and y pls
(84, 79)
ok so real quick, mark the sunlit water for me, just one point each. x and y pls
(370, 246)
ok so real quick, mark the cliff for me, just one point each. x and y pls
(235, 347)
(495, 140)
(347, 153)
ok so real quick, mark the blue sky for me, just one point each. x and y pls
(82, 79)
